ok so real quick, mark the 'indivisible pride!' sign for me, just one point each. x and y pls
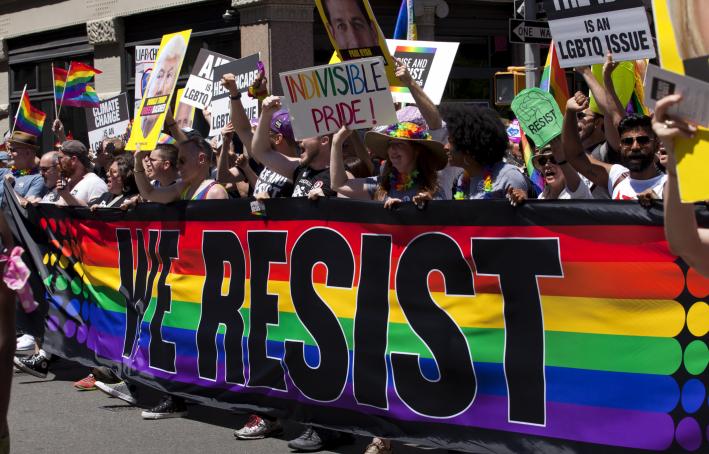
(584, 31)
(323, 99)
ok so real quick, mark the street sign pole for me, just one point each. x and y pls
(531, 51)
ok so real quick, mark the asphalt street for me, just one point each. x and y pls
(50, 416)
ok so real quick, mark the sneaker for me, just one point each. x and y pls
(377, 446)
(316, 439)
(36, 365)
(25, 343)
(168, 407)
(120, 390)
(257, 428)
(87, 383)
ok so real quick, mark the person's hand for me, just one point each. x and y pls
(130, 203)
(33, 200)
(139, 155)
(261, 196)
(93, 208)
(241, 161)
(421, 198)
(667, 127)
(584, 70)
(271, 105)
(315, 194)
(341, 135)
(609, 66)
(402, 72)
(57, 126)
(10, 178)
(577, 103)
(229, 83)
(228, 132)
(517, 196)
(207, 114)
(391, 202)
(646, 197)
(62, 186)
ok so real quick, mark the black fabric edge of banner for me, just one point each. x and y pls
(444, 213)
(578, 12)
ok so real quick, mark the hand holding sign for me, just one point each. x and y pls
(538, 114)
(667, 127)
(402, 73)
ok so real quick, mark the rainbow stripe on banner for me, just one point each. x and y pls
(416, 49)
(338, 313)
(29, 119)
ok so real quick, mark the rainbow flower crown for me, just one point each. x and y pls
(407, 130)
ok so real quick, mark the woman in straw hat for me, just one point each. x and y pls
(411, 162)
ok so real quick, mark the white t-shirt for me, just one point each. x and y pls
(582, 192)
(629, 188)
(89, 188)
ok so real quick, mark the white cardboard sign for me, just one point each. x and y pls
(322, 99)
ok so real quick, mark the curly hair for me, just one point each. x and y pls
(635, 121)
(125, 163)
(427, 179)
(477, 132)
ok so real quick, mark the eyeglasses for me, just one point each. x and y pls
(641, 140)
(541, 160)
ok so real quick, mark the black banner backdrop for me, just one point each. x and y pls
(473, 326)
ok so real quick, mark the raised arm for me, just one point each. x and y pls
(573, 180)
(226, 174)
(428, 109)
(586, 165)
(148, 191)
(685, 238)
(58, 130)
(241, 123)
(361, 152)
(339, 180)
(261, 145)
(615, 110)
(172, 128)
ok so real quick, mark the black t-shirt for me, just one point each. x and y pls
(274, 184)
(306, 178)
(108, 199)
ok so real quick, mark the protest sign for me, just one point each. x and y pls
(675, 30)
(429, 63)
(199, 89)
(109, 119)
(623, 81)
(538, 115)
(184, 113)
(695, 101)
(158, 93)
(322, 99)
(585, 31)
(245, 71)
(144, 60)
(427, 322)
(355, 33)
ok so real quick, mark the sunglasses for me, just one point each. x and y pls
(641, 140)
(541, 160)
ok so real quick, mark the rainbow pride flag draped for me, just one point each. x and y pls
(405, 22)
(29, 119)
(553, 79)
(423, 326)
(534, 174)
(77, 91)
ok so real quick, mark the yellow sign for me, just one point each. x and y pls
(157, 95)
(355, 33)
(692, 154)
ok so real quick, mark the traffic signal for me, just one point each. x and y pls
(508, 84)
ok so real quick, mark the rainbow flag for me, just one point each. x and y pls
(554, 79)
(77, 91)
(29, 119)
(636, 103)
(534, 174)
(405, 26)
(59, 82)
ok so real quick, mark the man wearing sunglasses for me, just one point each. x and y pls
(637, 175)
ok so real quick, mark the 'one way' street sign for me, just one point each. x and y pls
(529, 31)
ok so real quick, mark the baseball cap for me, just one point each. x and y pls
(282, 125)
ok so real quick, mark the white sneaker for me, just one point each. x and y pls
(120, 390)
(25, 343)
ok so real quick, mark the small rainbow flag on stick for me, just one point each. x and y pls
(534, 174)
(59, 76)
(554, 79)
(29, 119)
(77, 92)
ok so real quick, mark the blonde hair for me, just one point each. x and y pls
(687, 31)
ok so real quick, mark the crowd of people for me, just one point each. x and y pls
(456, 152)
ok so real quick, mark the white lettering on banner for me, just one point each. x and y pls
(585, 40)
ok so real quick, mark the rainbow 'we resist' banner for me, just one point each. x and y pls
(468, 325)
